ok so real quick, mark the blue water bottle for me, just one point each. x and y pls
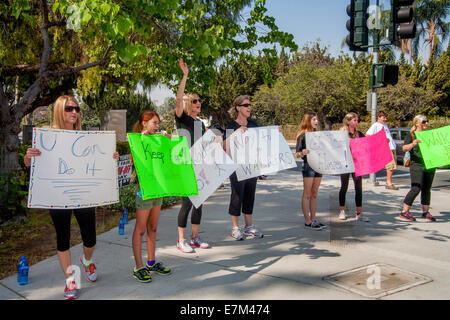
(121, 227)
(125, 216)
(22, 271)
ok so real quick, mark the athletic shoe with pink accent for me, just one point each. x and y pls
(89, 270)
(71, 291)
(427, 215)
(197, 242)
(183, 246)
(407, 216)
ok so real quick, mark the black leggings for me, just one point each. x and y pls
(186, 206)
(357, 181)
(242, 195)
(421, 181)
(86, 220)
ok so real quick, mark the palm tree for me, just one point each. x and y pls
(430, 16)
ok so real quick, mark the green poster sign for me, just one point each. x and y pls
(163, 166)
(435, 146)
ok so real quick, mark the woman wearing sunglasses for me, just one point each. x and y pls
(421, 178)
(242, 192)
(67, 116)
(187, 107)
(350, 124)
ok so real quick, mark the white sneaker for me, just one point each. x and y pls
(251, 231)
(89, 270)
(237, 234)
(360, 217)
(184, 246)
(197, 242)
(342, 215)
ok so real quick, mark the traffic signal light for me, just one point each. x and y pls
(383, 74)
(402, 15)
(357, 25)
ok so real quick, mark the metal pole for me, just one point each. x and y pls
(376, 43)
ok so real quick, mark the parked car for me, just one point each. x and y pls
(399, 134)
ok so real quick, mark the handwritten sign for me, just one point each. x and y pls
(124, 168)
(370, 154)
(435, 146)
(329, 152)
(163, 166)
(212, 166)
(76, 169)
(260, 151)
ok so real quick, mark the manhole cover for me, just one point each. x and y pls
(376, 280)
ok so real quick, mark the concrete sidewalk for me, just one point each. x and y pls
(290, 262)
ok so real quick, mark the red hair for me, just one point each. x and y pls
(144, 116)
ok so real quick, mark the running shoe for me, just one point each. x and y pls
(197, 242)
(89, 270)
(313, 226)
(142, 275)
(159, 268)
(391, 187)
(361, 217)
(320, 224)
(237, 234)
(407, 216)
(427, 215)
(251, 231)
(342, 215)
(183, 246)
(71, 291)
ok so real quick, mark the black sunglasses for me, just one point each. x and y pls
(71, 108)
(196, 100)
(424, 121)
(244, 105)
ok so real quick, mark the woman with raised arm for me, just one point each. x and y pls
(67, 116)
(187, 107)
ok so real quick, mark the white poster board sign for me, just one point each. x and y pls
(260, 151)
(76, 169)
(124, 168)
(329, 152)
(211, 165)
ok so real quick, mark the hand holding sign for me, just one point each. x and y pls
(435, 146)
(163, 166)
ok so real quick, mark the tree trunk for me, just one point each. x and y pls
(9, 142)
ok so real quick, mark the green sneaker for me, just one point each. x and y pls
(159, 268)
(142, 275)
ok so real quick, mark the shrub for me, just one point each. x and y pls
(13, 195)
(123, 147)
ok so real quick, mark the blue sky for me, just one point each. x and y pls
(308, 21)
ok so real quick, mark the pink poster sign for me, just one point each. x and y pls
(371, 153)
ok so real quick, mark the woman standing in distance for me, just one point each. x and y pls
(421, 178)
(147, 213)
(242, 192)
(311, 179)
(350, 124)
(187, 108)
(67, 116)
